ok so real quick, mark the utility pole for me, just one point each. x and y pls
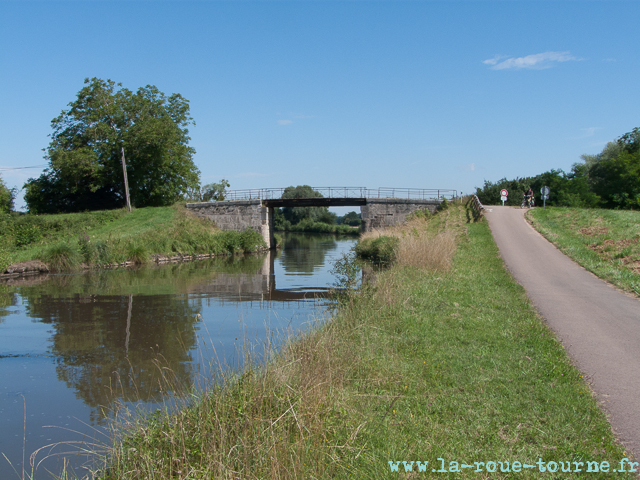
(124, 169)
(126, 180)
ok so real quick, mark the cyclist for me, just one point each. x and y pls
(528, 198)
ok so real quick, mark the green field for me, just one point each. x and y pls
(605, 242)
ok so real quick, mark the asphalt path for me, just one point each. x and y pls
(598, 325)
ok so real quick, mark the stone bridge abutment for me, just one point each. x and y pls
(381, 213)
(238, 215)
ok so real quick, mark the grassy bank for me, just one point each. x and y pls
(605, 242)
(66, 241)
(432, 361)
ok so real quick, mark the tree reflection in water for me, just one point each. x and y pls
(116, 346)
(109, 336)
(101, 355)
(304, 253)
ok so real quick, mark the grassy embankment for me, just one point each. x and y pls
(109, 237)
(436, 359)
(605, 242)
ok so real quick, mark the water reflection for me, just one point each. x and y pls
(100, 335)
(306, 253)
(106, 345)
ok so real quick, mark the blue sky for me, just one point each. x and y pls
(422, 94)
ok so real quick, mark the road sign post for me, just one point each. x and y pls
(545, 196)
(503, 195)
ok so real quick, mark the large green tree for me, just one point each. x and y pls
(616, 178)
(297, 214)
(215, 192)
(7, 197)
(90, 138)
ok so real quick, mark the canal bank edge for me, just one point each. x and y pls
(37, 267)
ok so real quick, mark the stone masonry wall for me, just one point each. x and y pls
(238, 215)
(381, 213)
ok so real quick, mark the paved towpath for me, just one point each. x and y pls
(598, 325)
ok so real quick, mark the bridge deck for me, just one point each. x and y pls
(314, 202)
(353, 193)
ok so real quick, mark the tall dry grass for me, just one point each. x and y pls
(431, 253)
(423, 242)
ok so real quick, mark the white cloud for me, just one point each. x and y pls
(285, 122)
(494, 60)
(537, 61)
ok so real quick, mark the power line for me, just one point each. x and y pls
(21, 168)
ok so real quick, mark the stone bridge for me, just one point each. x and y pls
(380, 208)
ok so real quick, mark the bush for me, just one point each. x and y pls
(346, 270)
(382, 250)
(231, 241)
(247, 241)
(250, 240)
(26, 234)
(5, 260)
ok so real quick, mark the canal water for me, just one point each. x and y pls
(73, 346)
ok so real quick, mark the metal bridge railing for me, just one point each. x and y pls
(348, 192)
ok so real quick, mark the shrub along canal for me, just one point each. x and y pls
(73, 346)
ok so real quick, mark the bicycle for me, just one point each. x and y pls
(527, 202)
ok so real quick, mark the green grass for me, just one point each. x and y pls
(420, 365)
(115, 237)
(605, 242)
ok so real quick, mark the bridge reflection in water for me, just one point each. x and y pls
(256, 287)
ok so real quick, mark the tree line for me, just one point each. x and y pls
(609, 179)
